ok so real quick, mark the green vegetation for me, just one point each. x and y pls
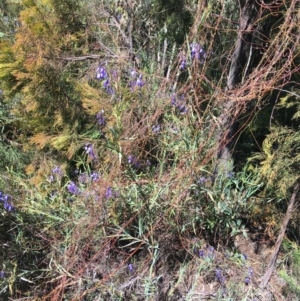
(148, 149)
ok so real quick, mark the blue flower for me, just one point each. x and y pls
(72, 188)
(179, 104)
(56, 174)
(247, 280)
(2, 274)
(137, 80)
(94, 176)
(6, 200)
(89, 150)
(133, 161)
(201, 253)
(8, 206)
(140, 83)
(202, 181)
(100, 118)
(197, 52)
(133, 73)
(57, 170)
(182, 65)
(101, 73)
(220, 276)
(130, 267)
(107, 87)
(250, 272)
(109, 193)
(156, 128)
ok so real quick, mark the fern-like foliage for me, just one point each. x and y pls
(280, 159)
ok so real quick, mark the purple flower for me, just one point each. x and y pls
(182, 109)
(109, 193)
(197, 52)
(72, 188)
(179, 104)
(202, 181)
(89, 150)
(201, 253)
(8, 206)
(247, 280)
(230, 175)
(250, 272)
(140, 83)
(57, 170)
(107, 87)
(220, 276)
(6, 200)
(2, 274)
(136, 82)
(101, 73)
(133, 161)
(133, 73)
(182, 65)
(100, 118)
(56, 173)
(94, 176)
(156, 128)
(130, 267)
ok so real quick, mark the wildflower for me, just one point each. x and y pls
(72, 188)
(202, 181)
(250, 272)
(182, 65)
(89, 150)
(57, 170)
(100, 118)
(133, 73)
(94, 176)
(109, 193)
(247, 280)
(101, 73)
(230, 175)
(8, 206)
(201, 253)
(2, 274)
(156, 128)
(220, 276)
(173, 99)
(107, 87)
(133, 161)
(130, 267)
(5, 199)
(182, 109)
(179, 103)
(197, 52)
(140, 83)
(136, 82)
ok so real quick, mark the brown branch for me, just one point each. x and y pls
(77, 58)
(280, 237)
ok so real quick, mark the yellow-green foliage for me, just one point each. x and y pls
(280, 159)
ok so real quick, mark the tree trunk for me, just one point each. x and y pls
(228, 126)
